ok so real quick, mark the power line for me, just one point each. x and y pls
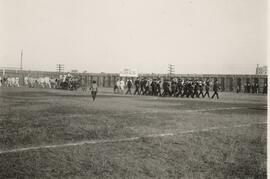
(60, 67)
(170, 69)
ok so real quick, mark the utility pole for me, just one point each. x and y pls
(21, 81)
(21, 59)
(60, 67)
(170, 70)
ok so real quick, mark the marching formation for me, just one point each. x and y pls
(171, 88)
(68, 82)
(174, 87)
(9, 82)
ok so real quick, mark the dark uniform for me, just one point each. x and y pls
(248, 87)
(201, 89)
(196, 89)
(173, 87)
(265, 88)
(166, 90)
(154, 87)
(207, 88)
(116, 88)
(215, 89)
(185, 90)
(159, 88)
(146, 87)
(129, 85)
(190, 89)
(179, 88)
(137, 86)
(142, 85)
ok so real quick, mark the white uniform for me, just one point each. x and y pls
(122, 85)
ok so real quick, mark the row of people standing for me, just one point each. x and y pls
(173, 88)
(251, 88)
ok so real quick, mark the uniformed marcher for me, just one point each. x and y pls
(159, 87)
(179, 87)
(200, 89)
(137, 86)
(185, 90)
(215, 89)
(190, 89)
(146, 87)
(129, 85)
(116, 86)
(173, 88)
(207, 88)
(154, 87)
(195, 88)
(142, 86)
(165, 86)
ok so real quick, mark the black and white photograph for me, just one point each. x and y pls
(133, 89)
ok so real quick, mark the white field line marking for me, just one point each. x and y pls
(130, 139)
(156, 111)
(218, 109)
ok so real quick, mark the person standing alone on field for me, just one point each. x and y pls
(94, 90)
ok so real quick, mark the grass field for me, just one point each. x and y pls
(63, 134)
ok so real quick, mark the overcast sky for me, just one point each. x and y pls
(197, 36)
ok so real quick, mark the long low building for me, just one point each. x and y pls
(228, 82)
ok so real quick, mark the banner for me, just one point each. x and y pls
(129, 73)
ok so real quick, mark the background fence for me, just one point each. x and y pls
(227, 83)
